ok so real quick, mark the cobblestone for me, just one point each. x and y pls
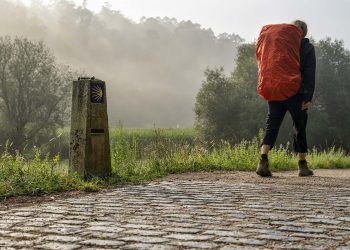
(242, 241)
(58, 246)
(102, 243)
(185, 214)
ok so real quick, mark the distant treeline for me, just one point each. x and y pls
(153, 68)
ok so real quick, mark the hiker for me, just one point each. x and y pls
(297, 105)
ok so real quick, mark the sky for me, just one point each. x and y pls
(243, 17)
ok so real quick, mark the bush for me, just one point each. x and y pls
(216, 109)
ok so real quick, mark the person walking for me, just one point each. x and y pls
(297, 105)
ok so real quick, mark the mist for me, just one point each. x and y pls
(153, 68)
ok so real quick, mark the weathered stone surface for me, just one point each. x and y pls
(89, 142)
(58, 246)
(182, 215)
(279, 237)
(183, 230)
(60, 238)
(105, 229)
(140, 226)
(238, 247)
(144, 232)
(243, 241)
(6, 242)
(102, 243)
(323, 221)
(143, 246)
(143, 239)
(347, 219)
(226, 233)
(196, 244)
(185, 237)
(21, 235)
(301, 229)
(317, 236)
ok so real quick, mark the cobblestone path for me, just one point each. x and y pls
(186, 215)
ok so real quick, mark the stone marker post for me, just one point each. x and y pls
(89, 138)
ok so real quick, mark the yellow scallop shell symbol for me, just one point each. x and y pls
(97, 93)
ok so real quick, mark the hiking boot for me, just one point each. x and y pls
(263, 168)
(304, 169)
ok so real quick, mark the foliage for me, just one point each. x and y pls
(245, 111)
(157, 61)
(21, 176)
(171, 157)
(34, 91)
(142, 154)
(332, 99)
(145, 139)
(217, 108)
(228, 107)
(252, 109)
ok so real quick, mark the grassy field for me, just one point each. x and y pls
(145, 154)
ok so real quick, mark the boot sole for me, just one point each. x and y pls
(263, 174)
(305, 175)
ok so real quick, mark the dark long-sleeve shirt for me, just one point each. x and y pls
(308, 69)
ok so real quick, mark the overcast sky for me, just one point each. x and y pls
(243, 17)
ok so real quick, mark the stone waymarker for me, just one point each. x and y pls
(89, 138)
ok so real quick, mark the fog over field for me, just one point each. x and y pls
(153, 68)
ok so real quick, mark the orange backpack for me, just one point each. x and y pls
(278, 55)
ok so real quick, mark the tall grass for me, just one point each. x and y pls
(134, 160)
(145, 154)
(40, 175)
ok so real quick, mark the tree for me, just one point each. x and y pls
(168, 55)
(330, 114)
(34, 91)
(229, 108)
(216, 108)
(252, 110)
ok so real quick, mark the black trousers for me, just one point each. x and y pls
(277, 111)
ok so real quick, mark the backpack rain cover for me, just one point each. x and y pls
(278, 56)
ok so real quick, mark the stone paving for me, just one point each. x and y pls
(186, 215)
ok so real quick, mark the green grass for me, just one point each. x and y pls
(145, 154)
(19, 176)
(133, 161)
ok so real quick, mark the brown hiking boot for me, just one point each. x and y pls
(304, 169)
(263, 168)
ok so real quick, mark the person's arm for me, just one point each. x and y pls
(308, 80)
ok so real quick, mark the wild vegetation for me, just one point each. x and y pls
(162, 155)
(38, 175)
(153, 70)
(153, 67)
(145, 154)
(34, 93)
(228, 106)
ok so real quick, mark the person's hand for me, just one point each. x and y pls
(305, 105)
